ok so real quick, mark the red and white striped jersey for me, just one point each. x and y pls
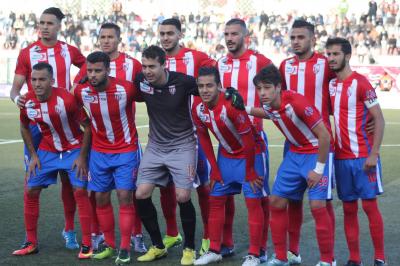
(112, 120)
(189, 61)
(309, 78)
(239, 73)
(58, 119)
(61, 56)
(350, 100)
(227, 124)
(296, 118)
(123, 67)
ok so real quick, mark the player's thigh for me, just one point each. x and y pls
(66, 162)
(47, 174)
(203, 167)
(368, 183)
(345, 186)
(257, 192)
(152, 169)
(36, 138)
(323, 189)
(125, 170)
(100, 172)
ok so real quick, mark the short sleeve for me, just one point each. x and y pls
(81, 74)
(23, 64)
(283, 75)
(23, 117)
(191, 85)
(306, 111)
(77, 57)
(367, 93)
(205, 60)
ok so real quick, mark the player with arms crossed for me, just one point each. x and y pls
(63, 147)
(60, 56)
(114, 158)
(240, 164)
(186, 61)
(357, 164)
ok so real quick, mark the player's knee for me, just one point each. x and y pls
(350, 207)
(278, 202)
(317, 204)
(369, 205)
(143, 192)
(102, 198)
(33, 192)
(124, 197)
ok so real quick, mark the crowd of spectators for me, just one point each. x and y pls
(376, 32)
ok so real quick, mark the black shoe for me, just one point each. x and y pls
(353, 263)
(379, 263)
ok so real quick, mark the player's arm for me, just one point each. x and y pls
(324, 139)
(80, 164)
(15, 93)
(379, 126)
(256, 111)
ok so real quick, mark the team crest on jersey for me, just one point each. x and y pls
(33, 113)
(349, 92)
(90, 98)
(308, 111)
(37, 48)
(241, 119)
(125, 66)
(58, 109)
(249, 65)
(332, 90)
(146, 88)
(205, 118)
(316, 68)
(172, 89)
(63, 53)
(186, 60)
(39, 56)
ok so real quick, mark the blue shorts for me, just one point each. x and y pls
(291, 179)
(108, 171)
(203, 167)
(233, 173)
(266, 162)
(354, 183)
(36, 138)
(53, 162)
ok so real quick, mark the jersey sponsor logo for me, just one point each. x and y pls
(172, 89)
(33, 113)
(118, 96)
(308, 111)
(146, 88)
(291, 70)
(39, 56)
(90, 98)
(63, 53)
(225, 68)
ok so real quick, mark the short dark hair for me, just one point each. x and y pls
(42, 66)
(210, 71)
(172, 21)
(269, 75)
(54, 11)
(97, 57)
(301, 23)
(110, 25)
(237, 21)
(344, 44)
(154, 52)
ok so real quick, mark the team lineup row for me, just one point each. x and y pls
(61, 128)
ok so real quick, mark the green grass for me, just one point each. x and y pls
(52, 251)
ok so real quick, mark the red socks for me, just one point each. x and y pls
(216, 220)
(375, 226)
(295, 216)
(125, 225)
(168, 205)
(227, 237)
(105, 215)
(94, 222)
(203, 193)
(67, 196)
(265, 206)
(331, 212)
(279, 227)
(137, 223)
(84, 209)
(31, 215)
(323, 229)
(256, 224)
(351, 229)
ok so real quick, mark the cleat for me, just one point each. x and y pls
(124, 257)
(205, 246)
(293, 259)
(227, 251)
(103, 252)
(172, 241)
(207, 258)
(26, 249)
(70, 239)
(321, 263)
(154, 253)
(263, 256)
(85, 253)
(380, 263)
(251, 260)
(276, 262)
(188, 256)
(96, 240)
(353, 263)
(138, 243)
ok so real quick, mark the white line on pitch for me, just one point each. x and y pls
(11, 141)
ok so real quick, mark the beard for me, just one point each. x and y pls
(341, 67)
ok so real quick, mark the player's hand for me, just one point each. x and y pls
(33, 164)
(256, 182)
(80, 165)
(215, 176)
(371, 162)
(313, 179)
(21, 100)
(235, 97)
(370, 126)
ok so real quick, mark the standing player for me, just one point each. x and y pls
(303, 165)
(171, 150)
(237, 69)
(357, 163)
(306, 73)
(240, 164)
(63, 147)
(124, 68)
(60, 56)
(186, 61)
(114, 158)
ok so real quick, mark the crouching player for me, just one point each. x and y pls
(303, 166)
(63, 148)
(240, 164)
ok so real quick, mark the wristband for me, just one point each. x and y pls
(248, 109)
(15, 100)
(319, 168)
